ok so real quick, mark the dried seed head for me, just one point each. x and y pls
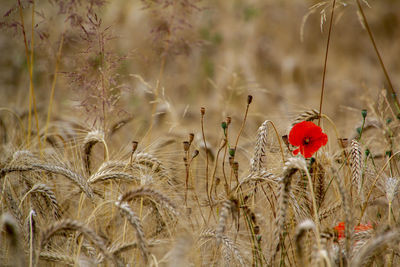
(228, 120)
(249, 99)
(231, 159)
(191, 137)
(285, 139)
(186, 146)
(253, 217)
(256, 229)
(134, 146)
(202, 111)
(195, 153)
(235, 166)
(344, 142)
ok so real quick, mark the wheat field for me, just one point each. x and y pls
(163, 133)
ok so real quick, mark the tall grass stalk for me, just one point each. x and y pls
(371, 37)
(326, 61)
(53, 86)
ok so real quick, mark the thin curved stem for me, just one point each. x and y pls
(279, 140)
(393, 93)
(325, 62)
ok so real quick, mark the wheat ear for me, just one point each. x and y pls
(91, 139)
(73, 176)
(10, 226)
(301, 231)
(355, 160)
(308, 115)
(49, 196)
(226, 208)
(134, 220)
(110, 175)
(73, 225)
(58, 258)
(154, 195)
(225, 241)
(375, 246)
(292, 165)
(259, 152)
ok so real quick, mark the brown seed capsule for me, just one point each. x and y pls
(231, 159)
(344, 142)
(256, 229)
(228, 120)
(285, 140)
(235, 166)
(253, 217)
(202, 111)
(134, 146)
(186, 146)
(195, 153)
(249, 99)
(191, 137)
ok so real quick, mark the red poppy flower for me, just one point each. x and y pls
(308, 137)
(363, 227)
(340, 228)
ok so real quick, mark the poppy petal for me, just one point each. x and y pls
(298, 132)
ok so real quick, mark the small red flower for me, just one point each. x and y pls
(308, 137)
(340, 228)
(363, 227)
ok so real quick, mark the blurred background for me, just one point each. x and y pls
(123, 56)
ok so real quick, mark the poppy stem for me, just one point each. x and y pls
(391, 89)
(325, 62)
